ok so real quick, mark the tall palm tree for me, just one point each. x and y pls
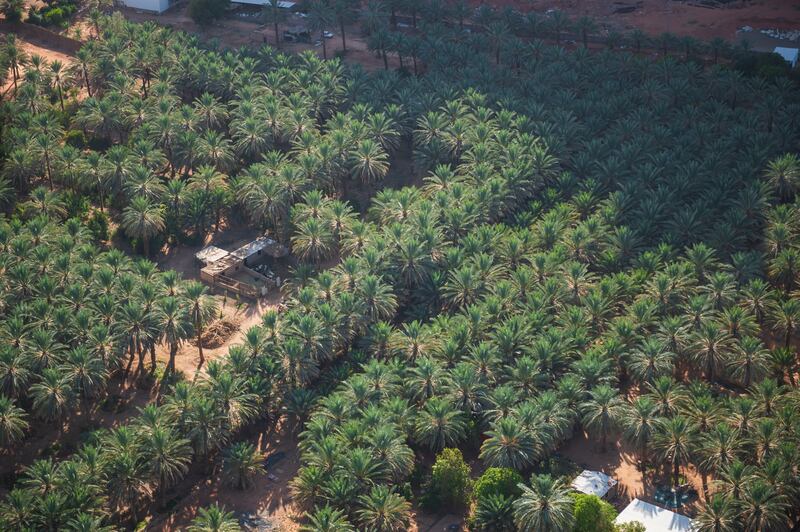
(173, 321)
(783, 174)
(12, 422)
(602, 412)
(439, 424)
(544, 507)
(674, 442)
(214, 519)
(383, 511)
(640, 424)
(143, 219)
(167, 457)
(241, 465)
(718, 515)
(327, 519)
(202, 308)
(509, 444)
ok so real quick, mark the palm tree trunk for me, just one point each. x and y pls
(324, 46)
(277, 37)
(200, 345)
(344, 40)
(152, 357)
(676, 473)
(173, 351)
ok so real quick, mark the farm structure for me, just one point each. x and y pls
(245, 271)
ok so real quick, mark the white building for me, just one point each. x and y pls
(789, 54)
(153, 6)
(593, 483)
(654, 518)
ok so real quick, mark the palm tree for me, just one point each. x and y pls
(241, 465)
(202, 308)
(321, 18)
(640, 424)
(368, 162)
(674, 442)
(439, 424)
(327, 519)
(783, 174)
(12, 422)
(544, 507)
(785, 317)
(214, 519)
(762, 508)
(748, 360)
(274, 14)
(711, 347)
(718, 515)
(143, 220)
(510, 445)
(167, 456)
(494, 512)
(175, 326)
(383, 511)
(52, 396)
(602, 412)
(313, 240)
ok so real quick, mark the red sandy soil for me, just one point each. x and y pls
(269, 498)
(40, 442)
(245, 313)
(620, 462)
(658, 16)
(232, 32)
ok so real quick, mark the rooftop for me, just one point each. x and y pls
(654, 518)
(593, 483)
(268, 245)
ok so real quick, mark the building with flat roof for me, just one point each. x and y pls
(654, 518)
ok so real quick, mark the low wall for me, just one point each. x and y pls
(52, 40)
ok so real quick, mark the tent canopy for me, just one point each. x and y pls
(593, 483)
(654, 518)
(789, 54)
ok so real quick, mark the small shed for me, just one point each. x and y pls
(260, 247)
(210, 254)
(654, 518)
(594, 483)
(790, 55)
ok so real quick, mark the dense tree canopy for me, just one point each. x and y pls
(600, 242)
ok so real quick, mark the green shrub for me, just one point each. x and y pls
(12, 9)
(450, 484)
(204, 12)
(497, 481)
(633, 526)
(593, 514)
(98, 225)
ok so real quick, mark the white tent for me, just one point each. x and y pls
(654, 518)
(789, 54)
(593, 483)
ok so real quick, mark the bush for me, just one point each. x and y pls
(98, 225)
(633, 526)
(204, 12)
(497, 481)
(12, 9)
(450, 484)
(593, 514)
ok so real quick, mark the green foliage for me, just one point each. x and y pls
(497, 481)
(592, 514)
(450, 482)
(98, 225)
(204, 12)
(633, 526)
(12, 9)
(55, 13)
